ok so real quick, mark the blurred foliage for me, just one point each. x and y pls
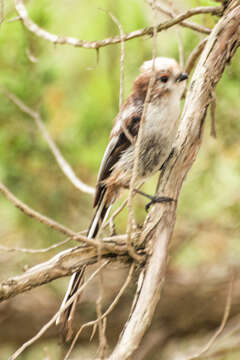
(76, 91)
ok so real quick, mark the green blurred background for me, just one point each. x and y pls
(76, 91)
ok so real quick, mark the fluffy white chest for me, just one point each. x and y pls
(162, 118)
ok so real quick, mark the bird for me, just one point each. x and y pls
(156, 143)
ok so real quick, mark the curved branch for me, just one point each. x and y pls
(34, 214)
(63, 164)
(221, 45)
(55, 39)
(51, 223)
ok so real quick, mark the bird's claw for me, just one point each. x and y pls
(158, 199)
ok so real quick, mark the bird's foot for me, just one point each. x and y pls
(154, 199)
(157, 199)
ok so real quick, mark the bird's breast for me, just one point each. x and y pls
(159, 132)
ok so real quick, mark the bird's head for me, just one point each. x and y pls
(168, 78)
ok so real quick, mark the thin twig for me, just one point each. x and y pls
(119, 209)
(63, 164)
(30, 56)
(34, 214)
(137, 146)
(107, 312)
(47, 221)
(213, 105)
(122, 59)
(127, 133)
(194, 55)
(53, 319)
(186, 24)
(110, 222)
(180, 49)
(221, 327)
(100, 321)
(33, 27)
(16, 18)
(100, 324)
(172, 14)
(34, 251)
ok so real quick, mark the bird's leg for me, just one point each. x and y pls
(154, 199)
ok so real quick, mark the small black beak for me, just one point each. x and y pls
(181, 77)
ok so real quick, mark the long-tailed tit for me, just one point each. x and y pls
(159, 131)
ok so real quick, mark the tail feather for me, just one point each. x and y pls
(65, 319)
(97, 219)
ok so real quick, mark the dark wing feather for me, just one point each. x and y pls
(113, 152)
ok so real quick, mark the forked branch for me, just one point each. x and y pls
(55, 39)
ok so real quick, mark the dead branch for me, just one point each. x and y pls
(186, 24)
(138, 144)
(195, 55)
(53, 319)
(47, 221)
(204, 291)
(220, 47)
(106, 313)
(34, 251)
(65, 263)
(122, 60)
(55, 39)
(34, 214)
(63, 164)
(213, 339)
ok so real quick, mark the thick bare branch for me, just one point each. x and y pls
(221, 45)
(55, 39)
(63, 264)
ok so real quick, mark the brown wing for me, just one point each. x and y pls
(117, 145)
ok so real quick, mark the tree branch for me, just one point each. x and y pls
(53, 319)
(51, 223)
(34, 214)
(186, 24)
(65, 263)
(221, 45)
(63, 164)
(55, 39)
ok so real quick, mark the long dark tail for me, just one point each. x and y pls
(66, 318)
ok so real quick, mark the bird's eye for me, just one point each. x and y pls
(164, 78)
